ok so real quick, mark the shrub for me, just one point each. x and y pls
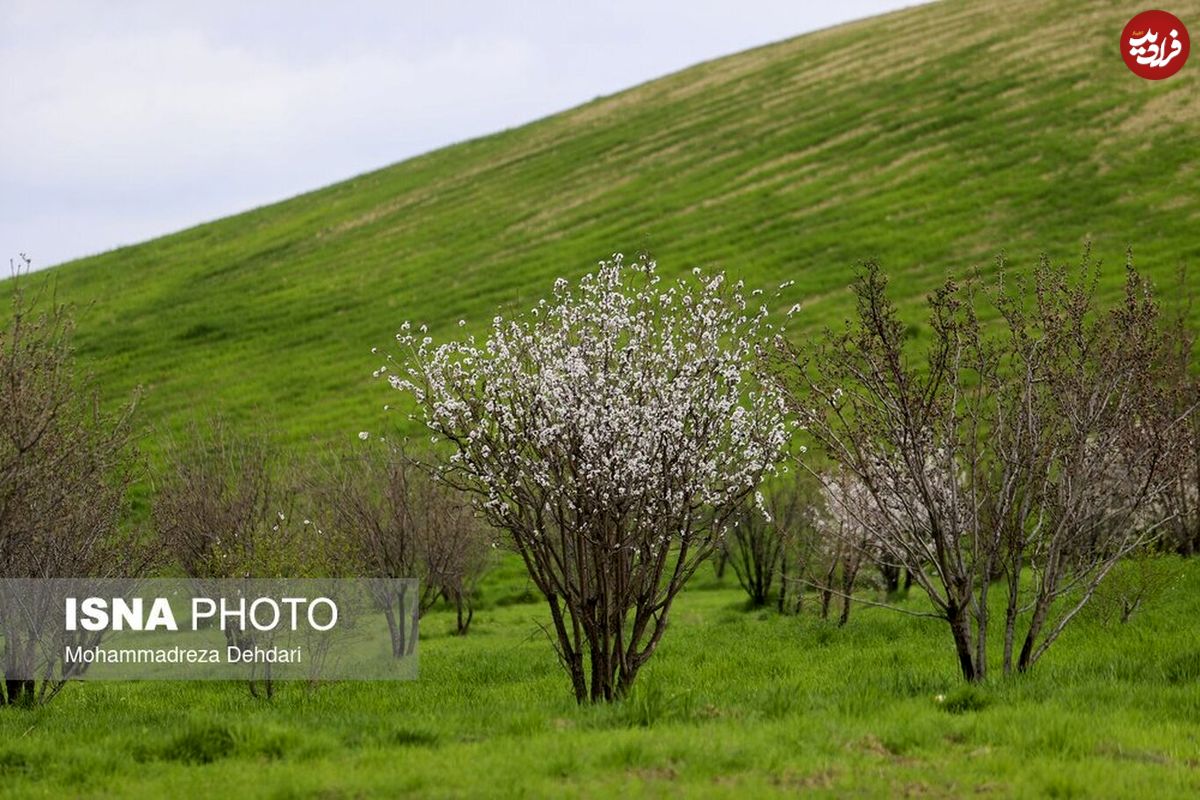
(758, 544)
(1179, 503)
(398, 522)
(1137, 581)
(611, 432)
(1040, 448)
(65, 468)
(227, 507)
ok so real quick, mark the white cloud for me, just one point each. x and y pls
(161, 108)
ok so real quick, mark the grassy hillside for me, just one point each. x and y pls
(930, 138)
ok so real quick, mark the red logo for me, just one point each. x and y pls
(1155, 44)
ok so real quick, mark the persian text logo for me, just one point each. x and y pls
(1155, 45)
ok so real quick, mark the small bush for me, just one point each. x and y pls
(1136, 582)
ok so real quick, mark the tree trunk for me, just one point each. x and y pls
(1035, 628)
(461, 602)
(1010, 618)
(602, 672)
(783, 578)
(719, 563)
(891, 577)
(960, 627)
(397, 637)
(19, 691)
(571, 655)
(845, 615)
(849, 574)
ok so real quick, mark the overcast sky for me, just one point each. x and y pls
(122, 121)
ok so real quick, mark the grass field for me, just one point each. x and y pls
(931, 138)
(738, 703)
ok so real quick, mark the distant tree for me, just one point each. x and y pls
(65, 468)
(758, 543)
(612, 433)
(454, 548)
(368, 497)
(847, 529)
(227, 508)
(399, 522)
(1032, 451)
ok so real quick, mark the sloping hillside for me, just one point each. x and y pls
(929, 138)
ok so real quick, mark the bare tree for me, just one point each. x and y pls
(212, 497)
(1179, 503)
(399, 522)
(1085, 443)
(65, 468)
(368, 497)
(755, 547)
(996, 456)
(758, 544)
(454, 549)
(612, 433)
(227, 508)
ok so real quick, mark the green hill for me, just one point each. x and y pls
(930, 138)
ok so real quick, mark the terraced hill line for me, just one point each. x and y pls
(930, 138)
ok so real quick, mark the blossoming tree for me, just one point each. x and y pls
(612, 432)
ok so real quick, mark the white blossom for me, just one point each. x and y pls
(646, 391)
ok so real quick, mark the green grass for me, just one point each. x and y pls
(931, 138)
(736, 703)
